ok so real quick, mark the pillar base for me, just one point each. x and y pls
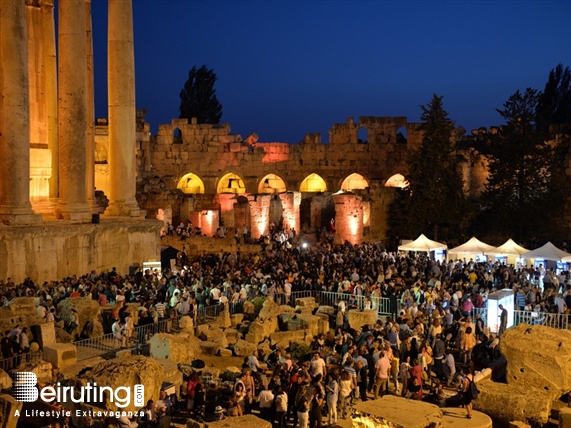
(77, 213)
(20, 219)
(124, 209)
(43, 207)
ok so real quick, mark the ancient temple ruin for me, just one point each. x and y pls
(208, 175)
(48, 209)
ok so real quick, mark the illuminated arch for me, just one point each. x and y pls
(231, 183)
(397, 180)
(272, 183)
(313, 183)
(191, 184)
(354, 182)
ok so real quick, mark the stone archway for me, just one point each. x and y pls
(354, 181)
(397, 180)
(272, 184)
(231, 183)
(313, 183)
(191, 184)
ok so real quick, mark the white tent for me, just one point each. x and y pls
(547, 252)
(422, 243)
(508, 249)
(473, 246)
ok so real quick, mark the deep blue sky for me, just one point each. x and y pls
(286, 68)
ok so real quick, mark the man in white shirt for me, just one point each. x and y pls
(215, 295)
(317, 366)
(266, 400)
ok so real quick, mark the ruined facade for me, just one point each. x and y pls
(206, 174)
(47, 145)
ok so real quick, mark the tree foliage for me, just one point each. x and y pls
(520, 198)
(434, 202)
(198, 97)
(554, 104)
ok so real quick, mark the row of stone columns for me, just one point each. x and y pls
(72, 168)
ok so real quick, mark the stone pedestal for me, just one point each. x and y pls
(172, 374)
(44, 334)
(60, 355)
(358, 319)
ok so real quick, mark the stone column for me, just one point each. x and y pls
(348, 218)
(72, 112)
(291, 202)
(15, 207)
(259, 215)
(122, 115)
(92, 203)
(50, 72)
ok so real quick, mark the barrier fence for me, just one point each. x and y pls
(16, 361)
(559, 321)
(381, 304)
(138, 337)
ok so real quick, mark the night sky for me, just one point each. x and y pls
(286, 68)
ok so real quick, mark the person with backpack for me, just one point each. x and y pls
(469, 391)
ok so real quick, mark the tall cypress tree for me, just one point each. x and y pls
(434, 201)
(519, 200)
(198, 97)
(554, 104)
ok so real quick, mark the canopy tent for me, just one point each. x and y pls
(547, 252)
(507, 249)
(473, 246)
(422, 243)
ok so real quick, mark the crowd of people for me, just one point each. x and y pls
(415, 353)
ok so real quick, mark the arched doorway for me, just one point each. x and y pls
(231, 183)
(272, 184)
(354, 181)
(397, 180)
(191, 184)
(313, 183)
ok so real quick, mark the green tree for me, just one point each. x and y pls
(434, 202)
(520, 199)
(198, 97)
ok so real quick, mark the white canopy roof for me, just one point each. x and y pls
(547, 252)
(508, 248)
(422, 243)
(473, 246)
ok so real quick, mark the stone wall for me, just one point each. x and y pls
(212, 151)
(60, 249)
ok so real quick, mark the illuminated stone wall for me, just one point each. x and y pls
(60, 250)
(221, 166)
